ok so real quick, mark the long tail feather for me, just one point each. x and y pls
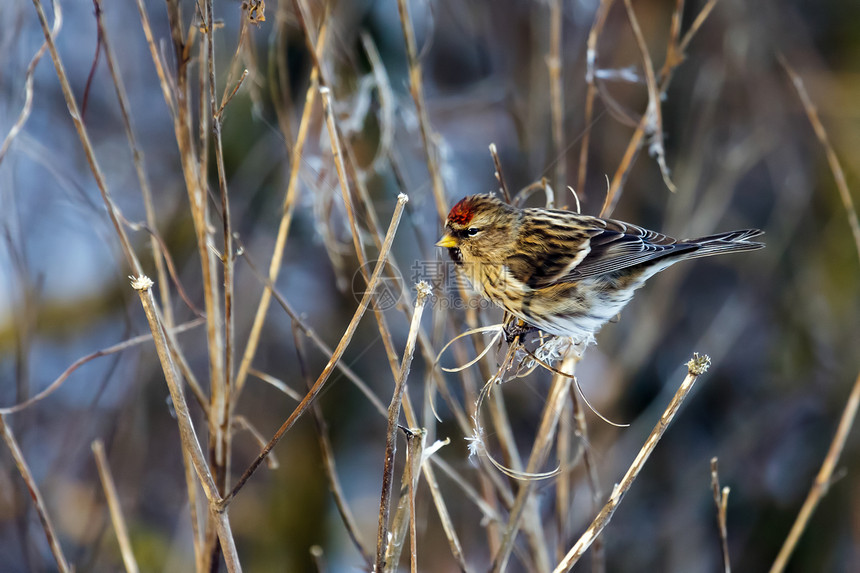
(731, 242)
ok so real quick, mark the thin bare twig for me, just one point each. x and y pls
(346, 193)
(598, 553)
(697, 366)
(832, 159)
(416, 88)
(825, 474)
(28, 85)
(315, 338)
(540, 450)
(83, 135)
(591, 92)
(35, 495)
(336, 355)
(721, 500)
(114, 507)
(53, 386)
(654, 127)
(556, 93)
(674, 56)
(187, 435)
(414, 450)
(137, 158)
(501, 179)
(822, 480)
(229, 97)
(327, 452)
(286, 219)
(423, 292)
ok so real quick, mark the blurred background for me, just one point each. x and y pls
(780, 324)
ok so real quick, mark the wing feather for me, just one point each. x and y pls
(575, 247)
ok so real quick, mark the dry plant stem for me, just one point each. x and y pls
(447, 525)
(156, 58)
(417, 90)
(414, 449)
(540, 450)
(336, 355)
(53, 386)
(340, 166)
(242, 423)
(675, 55)
(697, 366)
(319, 558)
(498, 165)
(398, 530)
(27, 108)
(286, 220)
(187, 435)
(556, 93)
(114, 507)
(653, 112)
(721, 499)
(327, 453)
(832, 159)
(143, 180)
(35, 495)
(384, 331)
(441, 509)
(195, 183)
(591, 92)
(318, 342)
(220, 388)
(563, 480)
(386, 97)
(825, 474)
(489, 512)
(423, 291)
(72, 105)
(196, 530)
(228, 97)
(694, 27)
(598, 556)
(822, 480)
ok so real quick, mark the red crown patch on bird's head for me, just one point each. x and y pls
(462, 212)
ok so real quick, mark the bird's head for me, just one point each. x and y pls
(479, 227)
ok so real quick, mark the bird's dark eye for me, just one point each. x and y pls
(472, 231)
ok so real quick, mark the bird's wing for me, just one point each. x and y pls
(596, 247)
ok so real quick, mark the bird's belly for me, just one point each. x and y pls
(577, 310)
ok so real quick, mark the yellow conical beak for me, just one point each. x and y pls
(447, 241)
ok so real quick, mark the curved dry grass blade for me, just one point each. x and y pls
(478, 330)
(578, 388)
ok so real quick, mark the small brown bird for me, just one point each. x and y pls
(564, 273)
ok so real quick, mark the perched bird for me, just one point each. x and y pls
(563, 273)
